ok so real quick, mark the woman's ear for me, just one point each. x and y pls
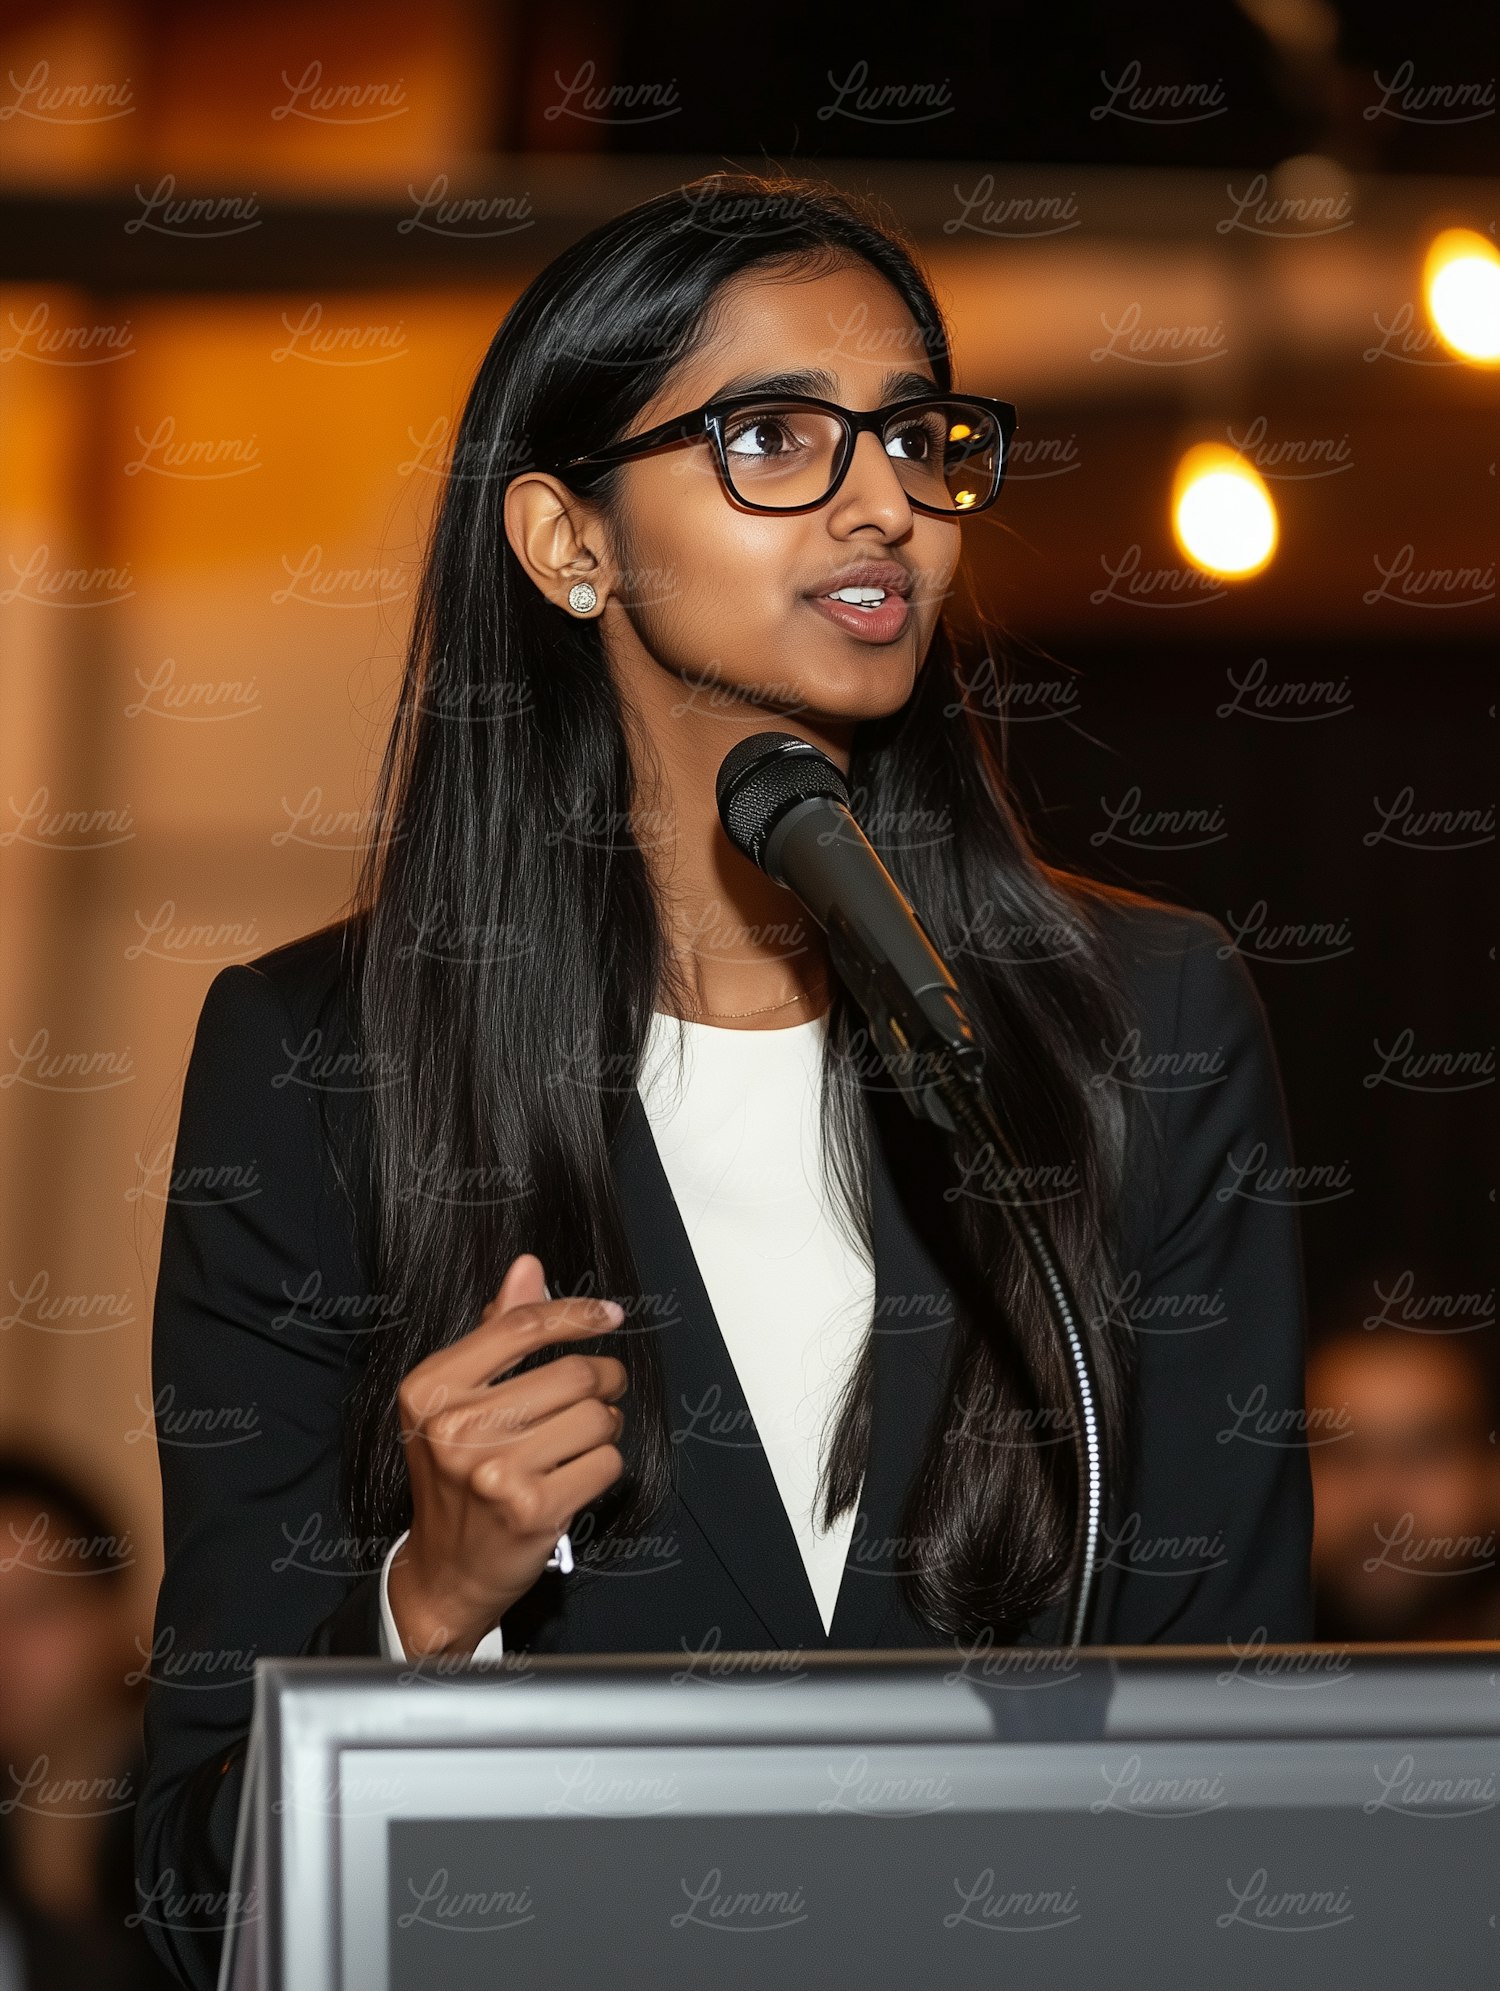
(558, 540)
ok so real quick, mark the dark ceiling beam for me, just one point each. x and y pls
(113, 238)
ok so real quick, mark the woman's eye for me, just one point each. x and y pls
(764, 436)
(913, 444)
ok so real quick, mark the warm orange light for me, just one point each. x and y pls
(1461, 283)
(1222, 514)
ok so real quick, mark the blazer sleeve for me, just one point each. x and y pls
(1212, 1540)
(249, 1381)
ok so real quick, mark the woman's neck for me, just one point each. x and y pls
(745, 954)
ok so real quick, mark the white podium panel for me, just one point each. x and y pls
(910, 1821)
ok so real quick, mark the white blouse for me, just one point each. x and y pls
(736, 1123)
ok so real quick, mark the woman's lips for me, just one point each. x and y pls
(869, 625)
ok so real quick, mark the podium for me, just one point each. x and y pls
(930, 1820)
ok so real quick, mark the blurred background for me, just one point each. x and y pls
(1235, 264)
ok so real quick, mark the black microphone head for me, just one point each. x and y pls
(763, 777)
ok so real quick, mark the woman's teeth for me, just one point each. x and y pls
(860, 597)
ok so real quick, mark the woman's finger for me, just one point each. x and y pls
(570, 1488)
(499, 1342)
(484, 1418)
(525, 1279)
(535, 1459)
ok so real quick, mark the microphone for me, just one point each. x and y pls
(785, 806)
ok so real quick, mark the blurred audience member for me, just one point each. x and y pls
(1406, 1484)
(69, 1743)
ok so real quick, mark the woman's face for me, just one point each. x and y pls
(722, 597)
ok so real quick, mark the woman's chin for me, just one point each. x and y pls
(869, 683)
(872, 686)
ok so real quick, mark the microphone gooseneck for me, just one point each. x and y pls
(785, 806)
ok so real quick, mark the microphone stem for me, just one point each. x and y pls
(983, 1140)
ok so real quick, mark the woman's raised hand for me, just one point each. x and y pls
(499, 1469)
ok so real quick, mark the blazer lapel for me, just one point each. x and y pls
(722, 1475)
(913, 1333)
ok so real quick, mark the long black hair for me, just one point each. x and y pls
(509, 948)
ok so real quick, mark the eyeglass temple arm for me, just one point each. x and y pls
(614, 452)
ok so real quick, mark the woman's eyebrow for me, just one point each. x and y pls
(818, 382)
(814, 380)
(901, 383)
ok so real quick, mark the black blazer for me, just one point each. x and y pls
(263, 1300)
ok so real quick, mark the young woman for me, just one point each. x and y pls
(572, 1048)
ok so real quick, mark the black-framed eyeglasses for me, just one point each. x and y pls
(791, 452)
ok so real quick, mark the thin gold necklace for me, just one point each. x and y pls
(726, 1014)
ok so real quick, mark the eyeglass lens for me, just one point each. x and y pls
(945, 453)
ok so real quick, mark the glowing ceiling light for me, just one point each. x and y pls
(1461, 282)
(1222, 513)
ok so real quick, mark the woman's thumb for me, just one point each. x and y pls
(524, 1282)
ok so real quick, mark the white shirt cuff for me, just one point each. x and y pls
(491, 1646)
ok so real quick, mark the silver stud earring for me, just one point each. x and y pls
(582, 598)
